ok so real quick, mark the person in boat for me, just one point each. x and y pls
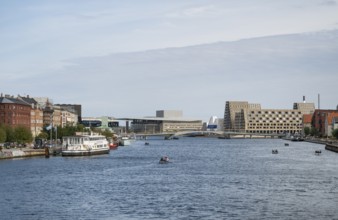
(164, 159)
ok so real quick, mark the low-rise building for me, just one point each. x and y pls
(322, 121)
(165, 121)
(329, 123)
(14, 111)
(307, 119)
(335, 123)
(36, 115)
(104, 122)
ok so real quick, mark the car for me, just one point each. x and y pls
(8, 145)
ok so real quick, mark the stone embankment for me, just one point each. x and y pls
(20, 153)
(331, 145)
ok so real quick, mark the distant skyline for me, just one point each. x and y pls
(131, 58)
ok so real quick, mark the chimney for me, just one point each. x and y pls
(304, 99)
(318, 101)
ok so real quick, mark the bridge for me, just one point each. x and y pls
(220, 134)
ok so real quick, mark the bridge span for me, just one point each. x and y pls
(219, 134)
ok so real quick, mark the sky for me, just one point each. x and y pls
(131, 58)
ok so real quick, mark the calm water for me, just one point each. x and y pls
(207, 179)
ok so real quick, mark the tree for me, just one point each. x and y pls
(335, 133)
(314, 131)
(107, 133)
(10, 137)
(43, 135)
(3, 135)
(23, 135)
(307, 131)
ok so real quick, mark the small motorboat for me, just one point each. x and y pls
(164, 159)
(286, 144)
(146, 143)
(275, 151)
(318, 152)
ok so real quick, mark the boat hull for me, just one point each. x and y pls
(124, 143)
(113, 146)
(74, 153)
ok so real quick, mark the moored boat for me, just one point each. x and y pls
(84, 145)
(113, 145)
(124, 141)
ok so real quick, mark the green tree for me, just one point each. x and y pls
(314, 131)
(335, 133)
(3, 135)
(22, 135)
(10, 136)
(80, 128)
(107, 133)
(307, 131)
(43, 135)
(68, 130)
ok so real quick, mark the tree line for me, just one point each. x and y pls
(314, 132)
(21, 135)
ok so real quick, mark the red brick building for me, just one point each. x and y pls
(14, 112)
(307, 119)
(322, 119)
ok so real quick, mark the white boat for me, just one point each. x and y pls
(124, 141)
(84, 145)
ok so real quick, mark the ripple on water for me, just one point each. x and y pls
(207, 179)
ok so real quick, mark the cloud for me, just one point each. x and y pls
(274, 71)
(195, 11)
(329, 3)
(91, 47)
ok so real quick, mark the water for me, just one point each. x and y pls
(207, 179)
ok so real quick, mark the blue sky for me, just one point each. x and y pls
(131, 58)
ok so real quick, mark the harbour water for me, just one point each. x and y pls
(206, 179)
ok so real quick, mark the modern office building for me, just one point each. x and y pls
(274, 121)
(104, 122)
(242, 116)
(304, 108)
(235, 115)
(164, 121)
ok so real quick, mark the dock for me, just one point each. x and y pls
(331, 147)
(20, 153)
(29, 152)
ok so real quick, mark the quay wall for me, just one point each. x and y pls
(331, 147)
(20, 153)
